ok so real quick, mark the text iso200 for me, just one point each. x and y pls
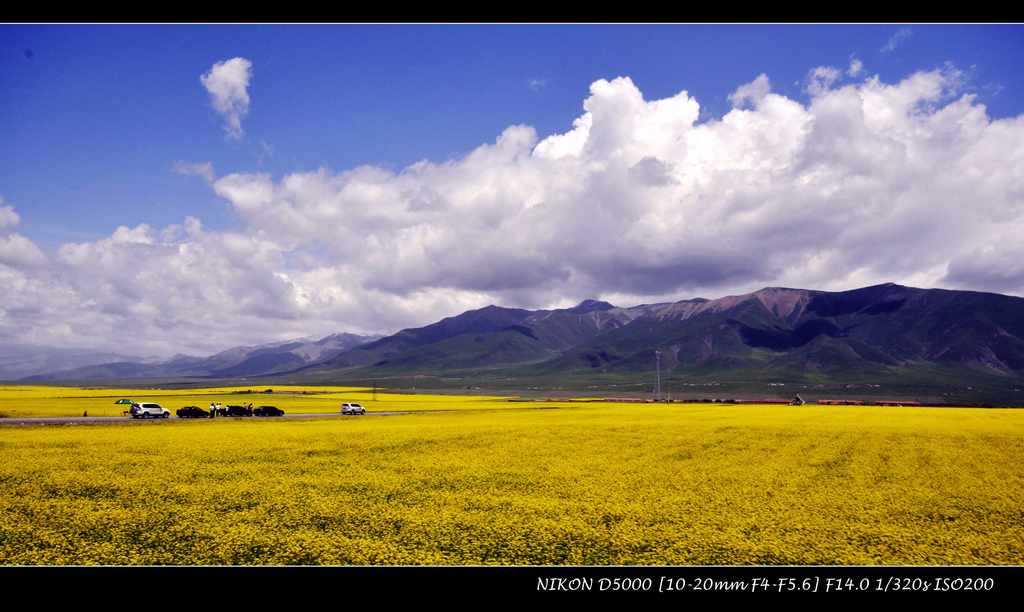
(964, 584)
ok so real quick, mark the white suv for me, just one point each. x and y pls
(352, 409)
(149, 411)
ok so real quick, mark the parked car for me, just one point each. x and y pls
(192, 412)
(149, 411)
(235, 411)
(265, 411)
(348, 408)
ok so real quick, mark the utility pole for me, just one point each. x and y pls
(657, 362)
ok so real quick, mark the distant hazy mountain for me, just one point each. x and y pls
(21, 361)
(233, 363)
(885, 332)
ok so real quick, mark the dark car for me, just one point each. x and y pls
(267, 411)
(235, 411)
(192, 412)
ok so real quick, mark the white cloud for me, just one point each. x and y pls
(588, 204)
(751, 93)
(228, 85)
(856, 66)
(896, 40)
(820, 79)
(16, 251)
(537, 84)
(20, 252)
(636, 201)
(8, 217)
(204, 169)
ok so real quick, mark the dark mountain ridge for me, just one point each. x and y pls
(882, 331)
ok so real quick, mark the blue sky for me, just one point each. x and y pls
(93, 121)
(821, 156)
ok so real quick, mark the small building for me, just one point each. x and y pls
(797, 401)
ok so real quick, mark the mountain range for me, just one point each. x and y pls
(881, 339)
(240, 361)
(885, 336)
(19, 361)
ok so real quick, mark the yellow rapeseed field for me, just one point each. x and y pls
(580, 484)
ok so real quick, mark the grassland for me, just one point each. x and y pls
(582, 484)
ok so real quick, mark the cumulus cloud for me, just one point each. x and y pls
(752, 92)
(16, 251)
(228, 85)
(896, 40)
(636, 201)
(8, 218)
(820, 79)
(20, 252)
(638, 196)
